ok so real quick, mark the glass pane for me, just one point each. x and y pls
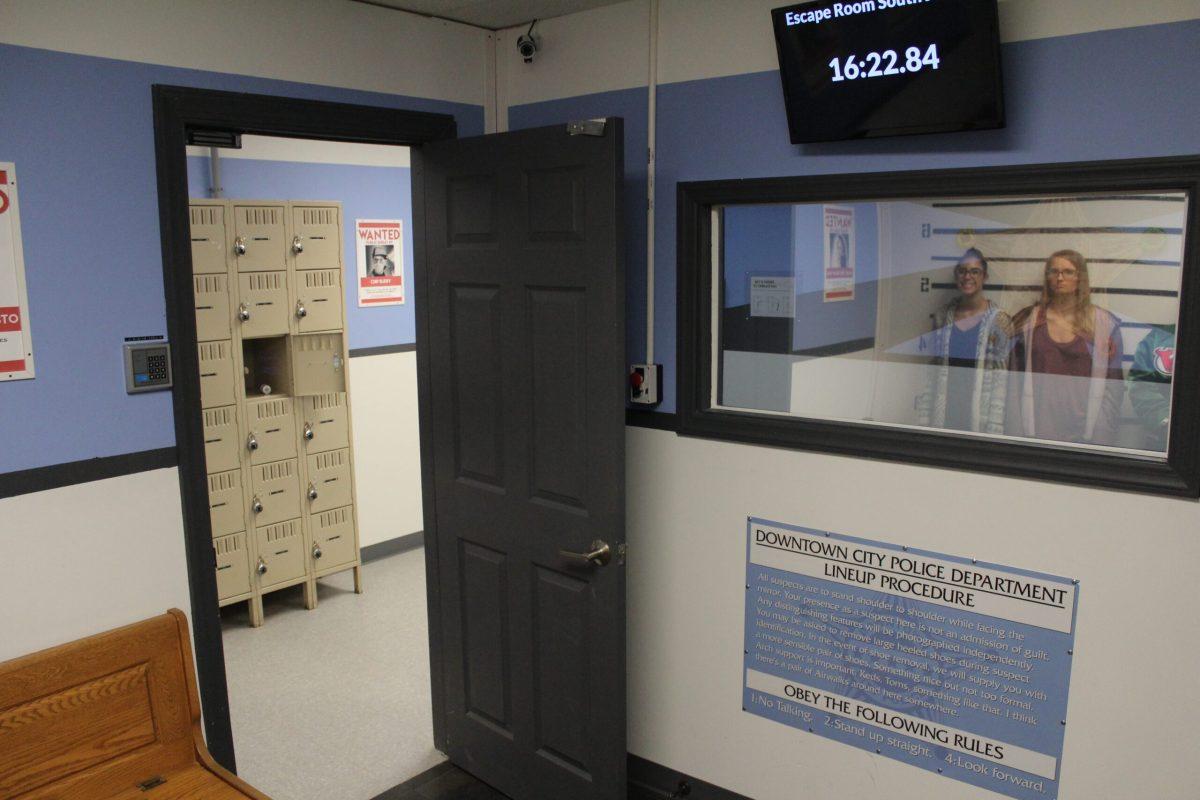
(1040, 318)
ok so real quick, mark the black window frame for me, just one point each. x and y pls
(1178, 475)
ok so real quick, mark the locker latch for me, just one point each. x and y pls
(244, 312)
(261, 569)
(317, 550)
(312, 492)
(308, 432)
(239, 245)
(297, 244)
(301, 311)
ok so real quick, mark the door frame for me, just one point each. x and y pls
(178, 110)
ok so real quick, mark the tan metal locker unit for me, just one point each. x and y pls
(222, 444)
(275, 492)
(281, 556)
(258, 244)
(318, 364)
(262, 304)
(233, 566)
(208, 239)
(318, 300)
(328, 481)
(325, 425)
(216, 374)
(316, 241)
(333, 539)
(226, 503)
(212, 307)
(272, 425)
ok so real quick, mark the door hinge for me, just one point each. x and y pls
(587, 127)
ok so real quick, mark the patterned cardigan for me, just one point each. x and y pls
(991, 370)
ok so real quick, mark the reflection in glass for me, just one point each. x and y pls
(1038, 317)
(970, 349)
(1067, 381)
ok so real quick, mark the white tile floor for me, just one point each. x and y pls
(333, 704)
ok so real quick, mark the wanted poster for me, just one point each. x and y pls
(380, 247)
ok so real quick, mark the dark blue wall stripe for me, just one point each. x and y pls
(57, 476)
(80, 131)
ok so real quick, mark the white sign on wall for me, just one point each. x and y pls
(772, 296)
(16, 348)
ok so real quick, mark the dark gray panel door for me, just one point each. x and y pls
(524, 291)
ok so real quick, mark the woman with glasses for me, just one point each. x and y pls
(971, 348)
(1066, 380)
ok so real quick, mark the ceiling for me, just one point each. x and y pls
(494, 14)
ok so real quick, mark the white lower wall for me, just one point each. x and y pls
(1134, 696)
(387, 446)
(90, 557)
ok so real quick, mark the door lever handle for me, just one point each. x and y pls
(600, 554)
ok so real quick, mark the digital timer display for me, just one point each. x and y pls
(889, 67)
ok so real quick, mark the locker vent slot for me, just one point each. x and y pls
(317, 343)
(216, 417)
(338, 516)
(282, 530)
(320, 278)
(230, 544)
(317, 216)
(325, 461)
(222, 481)
(273, 408)
(214, 351)
(277, 470)
(209, 284)
(205, 215)
(260, 216)
(265, 281)
(324, 402)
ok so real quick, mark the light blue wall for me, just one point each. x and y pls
(80, 130)
(364, 192)
(1113, 94)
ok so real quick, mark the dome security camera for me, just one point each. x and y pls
(527, 47)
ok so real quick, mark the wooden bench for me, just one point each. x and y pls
(112, 716)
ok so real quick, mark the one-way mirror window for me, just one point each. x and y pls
(990, 325)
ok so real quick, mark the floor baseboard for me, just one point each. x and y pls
(390, 547)
(651, 781)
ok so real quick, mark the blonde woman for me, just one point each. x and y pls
(1066, 381)
(971, 339)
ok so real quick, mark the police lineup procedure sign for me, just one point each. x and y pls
(934, 660)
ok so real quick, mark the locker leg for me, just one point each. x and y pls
(310, 594)
(256, 611)
(358, 585)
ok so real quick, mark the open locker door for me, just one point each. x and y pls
(521, 300)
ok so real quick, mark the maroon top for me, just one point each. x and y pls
(1060, 404)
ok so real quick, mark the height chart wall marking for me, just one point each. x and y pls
(953, 666)
(16, 348)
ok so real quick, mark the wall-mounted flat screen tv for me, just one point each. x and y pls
(859, 68)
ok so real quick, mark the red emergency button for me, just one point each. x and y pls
(636, 379)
